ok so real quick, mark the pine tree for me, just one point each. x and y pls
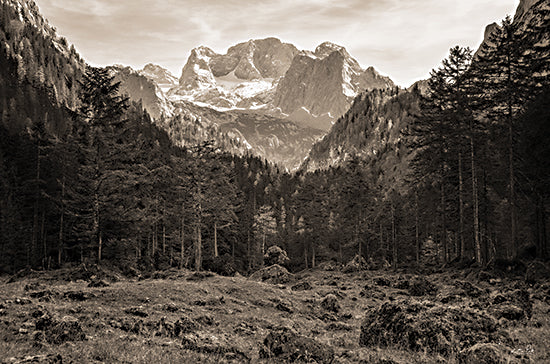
(102, 108)
(504, 71)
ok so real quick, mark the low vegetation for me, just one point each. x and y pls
(379, 316)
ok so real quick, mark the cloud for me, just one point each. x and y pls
(402, 38)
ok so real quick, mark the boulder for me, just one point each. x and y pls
(330, 303)
(302, 286)
(357, 264)
(469, 289)
(537, 271)
(136, 311)
(484, 353)
(425, 326)
(60, 331)
(276, 255)
(509, 305)
(420, 286)
(285, 345)
(98, 283)
(274, 274)
(37, 359)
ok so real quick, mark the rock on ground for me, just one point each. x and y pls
(485, 353)
(330, 303)
(60, 331)
(357, 264)
(537, 271)
(420, 286)
(284, 345)
(302, 286)
(421, 326)
(41, 359)
(274, 274)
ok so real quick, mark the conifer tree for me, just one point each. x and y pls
(102, 108)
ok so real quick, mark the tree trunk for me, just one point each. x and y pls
(393, 237)
(31, 251)
(164, 229)
(182, 237)
(512, 192)
(444, 223)
(60, 242)
(100, 246)
(198, 247)
(215, 239)
(477, 243)
(44, 242)
(416, 228)
(305, 257)
(313, 255)
(461, 208)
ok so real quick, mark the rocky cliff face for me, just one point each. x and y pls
(142, 89)
(371, 128)
(528, 12)
(161, 76)
(310, 88)
(279, 141)
(244, 77)
(43, 57)
(324, 83)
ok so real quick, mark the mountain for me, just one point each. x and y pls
(43, 57)
(159, 75)
(234, 79)
(310, 88)
(528, 13)
(279, 141)
(270, 95)
(371, 130)
(324, 83)
(143, 89)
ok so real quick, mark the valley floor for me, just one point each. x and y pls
(319, 316)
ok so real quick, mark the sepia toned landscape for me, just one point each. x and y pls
(379, 198)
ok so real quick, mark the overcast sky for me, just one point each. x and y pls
(404, 39)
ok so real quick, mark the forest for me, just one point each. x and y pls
(91, 178)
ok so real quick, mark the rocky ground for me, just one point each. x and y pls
(324, 316)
